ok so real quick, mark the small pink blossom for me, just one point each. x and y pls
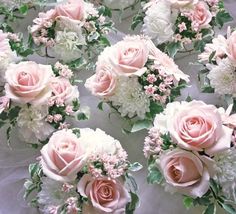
(69, 109)
(162, 87)
(72, 205)
(177, 37)
(182, 27)
(151, 78)
(150, 90)
(50, 118)
(67, 187)
(57, 118)
(53, 209)
(4, 103)
(64, 126)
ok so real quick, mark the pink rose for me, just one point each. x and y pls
(63, 91)
(103, 82)
(197, 126)
(182, 3)
(106, 195)
(73, 9)
(201, 15)
(127, 57)
(231, 47)
(63, 156)
(186, 172)
(28, 82)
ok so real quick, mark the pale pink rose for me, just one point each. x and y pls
(103, 82)
(63, 91)
(28, 82)
(106, 195)
(73, 9)
(62, 157)
(182, 3)
(4, 103)
(127, 57)
(201, 15)
(231, 47)
(197, 126)
(186, 172)
(228, 120)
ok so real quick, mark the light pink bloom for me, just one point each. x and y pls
(231, 47)
(50, 118)
(105, 195)
(57, 118)
(69, 109)
(182, 27)
(151, 78)
(28, 82)
(150, 90)
(4, 103)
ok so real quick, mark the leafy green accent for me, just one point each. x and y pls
(131, 182)
(82, 116)
(154, 175)
(137, 19)
(131, 206)
(211, 209)
(228, 208)
(223, 17)
(140, 125)
(188, 202)
(167, 142)
(100, 106)
(24, 9)
(134, 167)
(155, 108)
(77, 64)
(172, 48)
(76, 131)
(105, 11)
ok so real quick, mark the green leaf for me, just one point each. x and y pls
(228, 208)
(24, 9)
(134, 167)
(29, 188)
(76, 132)
(82, 116)
(9, 129)
(212, 56)
(131, 182)
(77, 64)
(33, 169)
(199, 45)
(3, 116)
(2, 123)
(133, 204)
(207, 89)
(188, 202)
(155, 108)
(154, 175)
(172, 48)
(93, 36)
(13, 113)
(104, 41)
(100, 106)
(189, 98)
(223, 17)
(211, 209)
(140, 125)
(138, 19)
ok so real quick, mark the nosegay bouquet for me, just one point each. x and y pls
(178, 23)
(219, 60)
(72, 29)
(191, 150)
(135, 78)
(37, 99)
(82, 171)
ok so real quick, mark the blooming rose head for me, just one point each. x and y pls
(127, 57)
(103, 82)
(231, 47)
(63, 157)
(186, 172)
(63, 91)
(28, 82)
(201, 15)
(182, 3)
(73, 9)
(195, 126)
(106, 195)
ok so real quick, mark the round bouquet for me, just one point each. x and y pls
(219, 60)
(37, 100)
(82, 171)
(136, 79)
(191, 151)
(180, 23)
(73, 30)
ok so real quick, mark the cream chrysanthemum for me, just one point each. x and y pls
(226, 172)
(223, 78)
(130, 98)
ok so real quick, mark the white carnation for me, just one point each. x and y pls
(130, 98)
(32, 124)
(158, 23)
(66, 45)
(223, 78)
(120, 4)
(226, 172)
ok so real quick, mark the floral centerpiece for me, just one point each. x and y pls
(37, 100)
(73, 30)
(191, 151)
(219, 61)
(82, 171)
(136, 79)
(179, 24)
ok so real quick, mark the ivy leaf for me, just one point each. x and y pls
(154, 175)
(104, 41)
(211, 209)
(13, 113)
(24, 9)
(133, 204)
(228, 208)
(188, 202)
(172, 48)
(100, 106)
(134, 167)
(138, 19)
(82, 116)
(76, 132)
(140, 125)
(223, 17)
(131, 182)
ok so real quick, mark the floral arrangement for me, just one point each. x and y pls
(136, 79)
(191, 151)
(73, 30)
(37, 100)
(179, 24)
(82, 171)
(219, 60)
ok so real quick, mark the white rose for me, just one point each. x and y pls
(182, 3)
(158, 23)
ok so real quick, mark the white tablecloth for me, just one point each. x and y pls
(154, 200)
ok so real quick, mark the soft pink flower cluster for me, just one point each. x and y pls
(198, 132)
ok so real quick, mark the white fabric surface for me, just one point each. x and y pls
(154, 200)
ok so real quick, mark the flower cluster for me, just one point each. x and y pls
(81, 171)
(72, 29)
(191, 146)
(133, 74)
(219, 60)
(37, 99)
(178, 23)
